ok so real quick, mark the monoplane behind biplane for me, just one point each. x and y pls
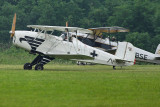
(49, 47)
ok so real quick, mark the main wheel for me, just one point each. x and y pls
(81, 63)
(39, 67)
(114, 67)
(78, 63)
(27, 66)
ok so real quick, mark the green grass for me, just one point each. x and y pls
(82, 86)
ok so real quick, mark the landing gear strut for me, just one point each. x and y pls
(114, 67)
(39, 61)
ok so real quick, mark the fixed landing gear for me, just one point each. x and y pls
(84, 63)
(27, 66)
(81, 63)
(39, 61)
(114, 67)
(39, 67)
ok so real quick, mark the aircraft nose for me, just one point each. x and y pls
(14, 38)
(10, 32)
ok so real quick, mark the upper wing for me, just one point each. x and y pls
(60, 28)
(114, 29)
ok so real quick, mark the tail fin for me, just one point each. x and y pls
(158, 50)
(126, 51)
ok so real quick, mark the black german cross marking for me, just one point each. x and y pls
(93, 53)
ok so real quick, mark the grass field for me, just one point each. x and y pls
(82, 86)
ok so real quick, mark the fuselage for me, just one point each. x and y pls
(145, 56)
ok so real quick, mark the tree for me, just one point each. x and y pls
(140, 40)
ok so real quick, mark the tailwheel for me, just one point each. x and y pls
(27, 66)
(39, 67)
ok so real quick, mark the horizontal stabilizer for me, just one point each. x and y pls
(157, 56)
(70, 56)
(122, 61)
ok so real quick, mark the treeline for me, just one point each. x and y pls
(141, 17)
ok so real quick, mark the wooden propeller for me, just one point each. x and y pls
(67, 24)
(13, 26)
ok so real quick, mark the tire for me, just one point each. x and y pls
(78, 63)
(81, 63)
(39, 67)
(27, 66)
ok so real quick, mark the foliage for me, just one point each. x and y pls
(141, 40)
(142, 17)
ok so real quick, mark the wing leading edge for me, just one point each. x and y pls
(60, 28)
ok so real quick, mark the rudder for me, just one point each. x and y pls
(126, 51)
(158, 50)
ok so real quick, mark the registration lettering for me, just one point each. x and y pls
(141, 56)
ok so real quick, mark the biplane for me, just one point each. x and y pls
(47, 47)
(108, 45)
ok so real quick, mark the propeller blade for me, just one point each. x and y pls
(13, 26)
(66, 24)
